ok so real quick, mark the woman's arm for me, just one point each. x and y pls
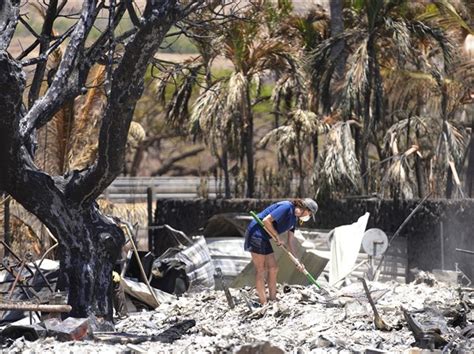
(268, 222)
(291, 234)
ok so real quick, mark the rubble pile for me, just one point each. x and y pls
(304, 318)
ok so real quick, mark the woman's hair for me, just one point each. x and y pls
(299, 204)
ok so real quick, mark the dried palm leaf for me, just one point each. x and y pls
(136, 134)
(133, 213)
(398, 175)
(339, 167)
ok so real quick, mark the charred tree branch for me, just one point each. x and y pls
(44, 39)
(28, 50)
(8, 22)
(126, 89)
(41, 112)
(132, 13)
(44, 57)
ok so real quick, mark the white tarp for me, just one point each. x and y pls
(345, 246)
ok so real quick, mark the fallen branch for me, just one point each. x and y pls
(378, 321)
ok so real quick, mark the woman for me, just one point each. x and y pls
(278, 218)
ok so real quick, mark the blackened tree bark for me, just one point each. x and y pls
(338, 56)
(469, 184)
(337, 28)
(90, 242)
(248, 144)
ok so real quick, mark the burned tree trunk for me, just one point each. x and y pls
(87, 267)
(90, 242)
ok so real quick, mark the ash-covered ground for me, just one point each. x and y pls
(305, 319)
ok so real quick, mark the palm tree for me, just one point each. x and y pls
(379, 35)
(223, 111)
(435, 96)
(294, 136)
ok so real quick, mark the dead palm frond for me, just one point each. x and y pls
(133, 213)
(398, 174)
(206, 120)
(356, 79)
(301, 125)
(339, 167)
(136, 134)
(177, 108)
(235, 106)
(83, 149)
(398, 130)
(291, 86)
(455, 143)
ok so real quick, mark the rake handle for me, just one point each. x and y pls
(287, 251)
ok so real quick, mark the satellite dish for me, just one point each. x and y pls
(374, 242)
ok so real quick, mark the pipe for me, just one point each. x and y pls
(35, 307)
(464, 251)
(135, 250)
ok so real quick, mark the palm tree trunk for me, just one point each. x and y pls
(374, 85)
(449, 184)
(249, 154)
(469, 184)
(137, 159)
(225, 168)
(337, 27)
(364, 146)
(338, 58)
(315, 148)
(419, 176)
(300, 164)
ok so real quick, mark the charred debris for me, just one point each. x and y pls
(191, 297)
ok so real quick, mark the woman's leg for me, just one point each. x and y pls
(259, 263)
(272, 266)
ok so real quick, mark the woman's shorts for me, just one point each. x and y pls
(258, 244)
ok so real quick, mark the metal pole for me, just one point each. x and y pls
(135, 251)
(35, 307)
(18, 276)
(441, 236)
(464, 251)
(150, 193)
(6, 225)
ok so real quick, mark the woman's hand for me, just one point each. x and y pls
(278, 242)
(301, 267)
